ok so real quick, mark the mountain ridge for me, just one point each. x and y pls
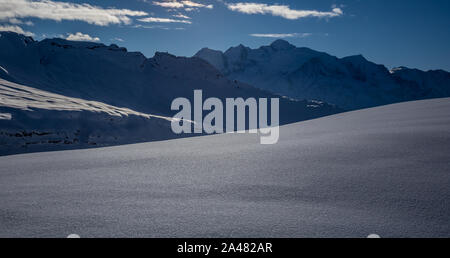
(351, 82)
(87, 69)
(88, 72)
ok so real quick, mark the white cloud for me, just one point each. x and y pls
(161, 27)
(282, 11)
(193, 4)
(169, 4)
(16, 29)
(163, 20)
(81, 37)
(117, 39)
(182, 4)
(17, 21)
(48, 36)
(282, 35)
(182, 16)
(59, 11)
(140, 26)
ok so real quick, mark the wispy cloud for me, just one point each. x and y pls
(193, 4)
(161, 27)
(59, 11)
(182, 4)
(182, 16)
(169, 4)
(117, 39)
(282, 10)
(16, 29)
(282, 35)
(82, 37)
(17, 21)
(163, 20)
(140, 26)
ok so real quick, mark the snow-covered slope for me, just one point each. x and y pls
(351, 82)
(380, 171)
(37, 120)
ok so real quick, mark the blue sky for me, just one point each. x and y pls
(413, 33)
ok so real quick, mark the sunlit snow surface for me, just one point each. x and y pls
(36, 120)
(5, 116)
(382, 171)
(26, 98)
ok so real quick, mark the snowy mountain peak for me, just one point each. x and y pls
(67, 44)
(398, 69)
(15, 40)
(281, 44)
(355, 59)
(237, 49)
(351, 82)
(15, 37)
(214, 57)
(207, 51)
(163, 55)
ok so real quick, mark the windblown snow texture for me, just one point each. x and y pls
(380, 171)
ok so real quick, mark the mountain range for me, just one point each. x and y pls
(59, 94)
(351, 82)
